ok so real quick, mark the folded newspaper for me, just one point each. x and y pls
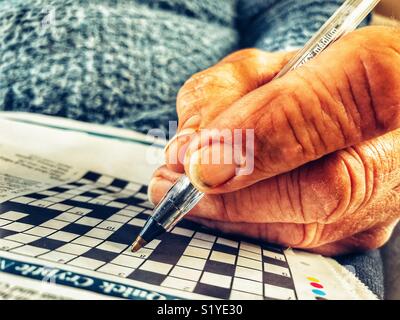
(73, 196)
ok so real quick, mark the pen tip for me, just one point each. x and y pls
(139, 243)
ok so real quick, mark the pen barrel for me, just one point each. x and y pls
(344, 20)
(177, 202)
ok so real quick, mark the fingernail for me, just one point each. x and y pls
(212, 166)
(184, 133)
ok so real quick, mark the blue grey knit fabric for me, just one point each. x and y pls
(121, 62)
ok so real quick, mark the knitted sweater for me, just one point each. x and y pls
(121, 62)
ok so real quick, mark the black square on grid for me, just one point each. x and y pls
(119, 183)
(101, 255)
(89, 194)
(77, 228)
(225, 249)
(35, 218)
(170, 242)
(147, 276)
(5, 233)
(275, 261)
(37, 196)
(277, 280)
(220, 268)
(213, 291)
(58, 189)
(126, 234)
(102, 212)
(92, 176)
(47, 243)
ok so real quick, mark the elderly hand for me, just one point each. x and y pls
(326, 172)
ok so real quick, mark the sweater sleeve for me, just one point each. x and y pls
(281, 25)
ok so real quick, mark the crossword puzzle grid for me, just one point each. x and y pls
(90, 223)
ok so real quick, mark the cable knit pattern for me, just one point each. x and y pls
(121, 62)
(275, 25)
(113, 62)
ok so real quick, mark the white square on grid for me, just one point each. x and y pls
(137, 222)
(40, 231)
(249, 263)
(57, 256)
(75, 192)
(8, 244)
(73, 248)
(112, 246)
(250, 255)
(85, 181)
(99, 233)
(30, 250)
(88, 221)
(17, 226)
(113, 188)
(204, 236)
(222, 257)
(82, 198)
(272, 268)
(98, 191)
(227, 242)
(191, 262)
(247, 273)
(127, 213)
(63, 236)
(155, 266)
(69, 217)
(53, 199)
(186, 273)
(4, 222)
(132, 187)
(13, 215)
(276, 292)
(116, 204)
(23, 200)
(80, 211)
(99, 201)
(116, 270)
(64, 196)
(247, 286)
(119, 218)
(180, 284)
(133, 208)
(183, 232)
(87, 241)
(215, 279)
(239, 295)
(105, 180)
(143, 253)
(86, 263)
(110, 225)
(274, 255)
(68, 186)
(60, 207)
(55, 224)
(201, 243)
(22, 237)
(124, 261)
(153, 244)
(196, 252)
(250, 247)
(41, 203)
(47, 193)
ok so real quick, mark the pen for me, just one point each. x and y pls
(183, 196)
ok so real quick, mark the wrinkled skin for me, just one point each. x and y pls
(327, 145)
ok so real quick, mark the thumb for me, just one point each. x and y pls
(348, 94)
